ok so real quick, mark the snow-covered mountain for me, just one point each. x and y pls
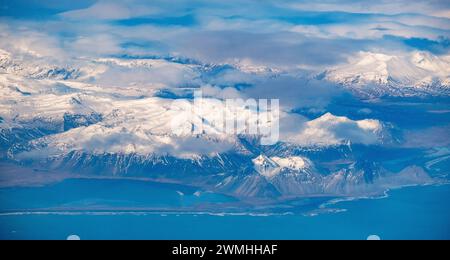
(37, 70)
(377, 74)
(108, 117)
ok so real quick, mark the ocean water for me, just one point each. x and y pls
(420, 212)
(106, 193)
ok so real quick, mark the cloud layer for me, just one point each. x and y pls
(284, 34)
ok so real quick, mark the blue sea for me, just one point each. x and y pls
(420, 212)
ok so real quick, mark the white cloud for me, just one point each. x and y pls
(105, 10)
(437, 8)
(21, 40)
(95, 45)
(146, 73)
(332, 130)
(221, 93)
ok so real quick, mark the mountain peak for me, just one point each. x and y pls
(272, 166)
(379, 73)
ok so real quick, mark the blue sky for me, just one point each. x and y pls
(307, 34)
